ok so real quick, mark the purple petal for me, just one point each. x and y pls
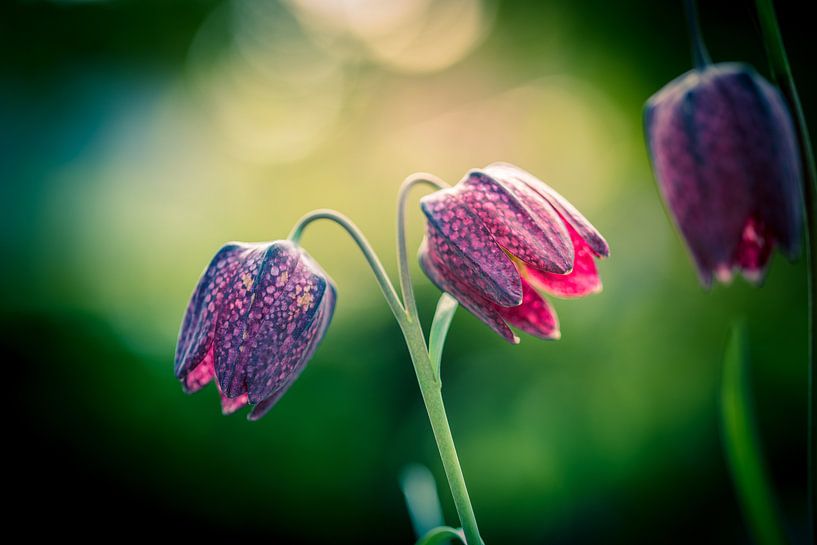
(462, 241)
(235, 324)
(255, 319)
(289, 322)
(524, 224)
(567, 211)
(196, 334)
(778, 173)
(689, 125)
(264, 406)
(319, 327)
(435, 266)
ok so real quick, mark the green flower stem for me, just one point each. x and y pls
(700, 56)
(742, 444)
(427, 375)
(432, 397)
(406, 287)
(782, 74)
(407, 318)
(371, 257)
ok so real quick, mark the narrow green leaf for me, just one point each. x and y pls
(446, 307)
(441, 534)
(422, 501)
(742, 447)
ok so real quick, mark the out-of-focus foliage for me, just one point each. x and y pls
(138, 136)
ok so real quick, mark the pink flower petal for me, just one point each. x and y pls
(582, 280)
(229, 405)
(199, 376)
(753, 251)
(534, 315)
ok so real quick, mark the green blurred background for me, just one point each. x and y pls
(138, 136)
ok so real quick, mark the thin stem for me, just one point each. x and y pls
(741, 444)
(782, 73)
(415, 341)
(433, 400)
(700, 56)
(371, 257)
(405, 275)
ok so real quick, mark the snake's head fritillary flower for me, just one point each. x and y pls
(499, 238)
(256, 316)
(724, 152)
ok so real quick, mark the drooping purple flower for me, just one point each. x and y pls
(255, 318)
(498, 238)
(725, 155)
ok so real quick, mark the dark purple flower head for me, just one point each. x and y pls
(724, 152)
(255, 318)
(499, 237)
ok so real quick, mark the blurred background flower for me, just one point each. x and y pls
(138, 136)
(724, 150)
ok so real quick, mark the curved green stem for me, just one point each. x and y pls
(782, 74)
(371, 257)
(700, 56)
(402, 258)
(427, 378)
(415, 341)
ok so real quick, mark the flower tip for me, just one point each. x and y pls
(598, 288)
(792, 252)
(724, 274)
(754, 276)
(705, 280)
(229, 405)
(603, 249)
